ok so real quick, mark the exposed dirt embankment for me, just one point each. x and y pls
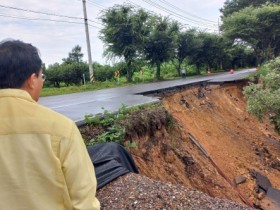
(216, 116)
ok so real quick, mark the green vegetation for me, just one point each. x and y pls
(113, 124)
(145, 40)
(264, 97)
(160, 45)
(187, 44)
(124, 30)
(105, 79)
(113, 131)
(50, 91)
(258, 28)
(149, 47)
(231, 6)
(255, 26)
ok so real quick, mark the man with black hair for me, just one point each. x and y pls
(44, 163)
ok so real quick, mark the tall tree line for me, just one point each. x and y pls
(250, 36)
(256, 24)
(134, 35)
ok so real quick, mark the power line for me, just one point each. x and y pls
(44, 13)
(95, 22)
(96, 4)
(190, 14)
(210, 24)
(150, 11)
(171, 13)
(205, 25)
(94, 26)
(50, 14)
(158, 6)
(99, 5)
(136, 5)
(42, 19)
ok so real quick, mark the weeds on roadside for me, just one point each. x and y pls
(110, 121)
(114, 132)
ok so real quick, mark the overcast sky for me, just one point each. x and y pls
(23, 20)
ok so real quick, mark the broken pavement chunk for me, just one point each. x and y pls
(274, 194)
(263, 182)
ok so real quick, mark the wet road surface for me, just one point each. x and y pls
(77, 105)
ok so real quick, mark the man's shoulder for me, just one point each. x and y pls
(52, 113)
(57, 122)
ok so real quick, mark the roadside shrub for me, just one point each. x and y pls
(114, 132)
(103, 73)
(263, 99)
(67, 73)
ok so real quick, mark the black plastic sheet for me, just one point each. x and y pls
(110, 160)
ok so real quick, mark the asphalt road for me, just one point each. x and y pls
(76, 105)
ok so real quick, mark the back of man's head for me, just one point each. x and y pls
(18, 60)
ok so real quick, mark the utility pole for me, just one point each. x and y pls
(88, 43)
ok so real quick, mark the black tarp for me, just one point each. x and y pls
(110, 160)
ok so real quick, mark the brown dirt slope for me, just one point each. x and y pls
(216, 116)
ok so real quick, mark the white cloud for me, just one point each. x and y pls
(55, 40)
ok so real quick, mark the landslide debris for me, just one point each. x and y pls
(216, 116)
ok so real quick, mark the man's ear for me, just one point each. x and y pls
(30, 83)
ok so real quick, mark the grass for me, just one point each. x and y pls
(51, 91)
(97, 85)
(114, 130)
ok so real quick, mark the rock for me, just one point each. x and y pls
(261, 195)
(239, 179)
(263, 182)
(275, 164)
(274, 194)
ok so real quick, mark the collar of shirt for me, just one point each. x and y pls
(18, 93)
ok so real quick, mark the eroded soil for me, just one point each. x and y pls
(239, 144)
(216, 117)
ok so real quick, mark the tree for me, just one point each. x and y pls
(69, 73)
(263, 99)
(160, 45)
(207, 52)
(239, 55)
(185, 47)
(103, 72)
(231, 6)
(72, 73)
(75, 56)
(54, 75)
(258, 27)
(212, 49)
(123, 33)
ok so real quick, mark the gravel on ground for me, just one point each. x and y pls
(134, 191)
